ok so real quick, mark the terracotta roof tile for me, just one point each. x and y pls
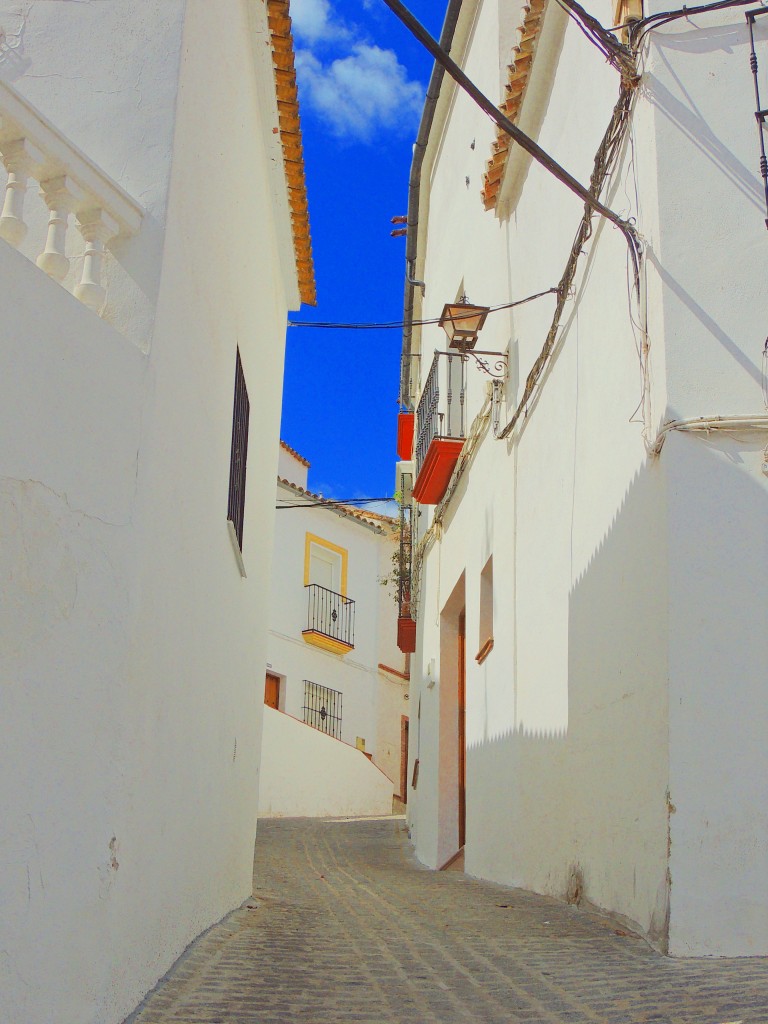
(290, 137)
(294, 453)
(517, 82)
(375, 520)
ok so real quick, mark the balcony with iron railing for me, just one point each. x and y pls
(406, 618)
(330, 620)
(440, 426)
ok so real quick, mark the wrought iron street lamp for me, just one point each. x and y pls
(462, 322)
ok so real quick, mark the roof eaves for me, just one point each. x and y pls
(283, 62)
(345, 511)
(519, 74)
(294, 453)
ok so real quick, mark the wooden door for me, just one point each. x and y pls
(272, 691)
(404, 758)
(462, 730)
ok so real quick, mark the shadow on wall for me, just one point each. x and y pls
(687, 119)
(707, 322)
(580, 813)
(718, 715)
(586, 814)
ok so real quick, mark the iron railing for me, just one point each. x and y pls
(761, 114)
(441, 409)
(322, 708)
(405, 558)
(331, 614)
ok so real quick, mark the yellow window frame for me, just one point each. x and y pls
(312, 538)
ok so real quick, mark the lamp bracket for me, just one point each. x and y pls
(496, 368)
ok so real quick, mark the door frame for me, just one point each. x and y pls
(461, 725)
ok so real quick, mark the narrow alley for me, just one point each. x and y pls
(346, 926)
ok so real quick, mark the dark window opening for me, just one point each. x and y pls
(486, 612)
(239, 454)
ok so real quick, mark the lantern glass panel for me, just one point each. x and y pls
(462, 322)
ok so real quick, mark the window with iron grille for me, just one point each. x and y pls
(239, 454)
(322, 708)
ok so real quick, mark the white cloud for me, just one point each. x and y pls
(360, 94)
(313, 23)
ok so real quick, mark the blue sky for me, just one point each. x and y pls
(362, 80)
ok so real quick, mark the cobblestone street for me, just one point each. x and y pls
(346, 926)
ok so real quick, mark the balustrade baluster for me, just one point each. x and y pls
(461, 395)
(60, 195)
(449, 395)
(19, 158)
(97, 228)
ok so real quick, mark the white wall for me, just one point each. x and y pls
(342, 780)
(88, 70)
(393, 699)
(292, 469)
(560, 516)
(373, 700)
(392, 704)
(712, 280)
(621, 699)
(718, 718)
(131, 679)
(69, 421)
(355, 674)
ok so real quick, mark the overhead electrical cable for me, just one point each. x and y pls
(329, 502)
(605, 160)
(399, 324)
(519, 136)
(639, 29)
(616, 53)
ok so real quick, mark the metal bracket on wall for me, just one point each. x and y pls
(497, 369)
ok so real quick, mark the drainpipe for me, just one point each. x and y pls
(414, 187)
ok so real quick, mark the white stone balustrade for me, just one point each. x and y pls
(61, 196)
(69, 183)
(19, 158)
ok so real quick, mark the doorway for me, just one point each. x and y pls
(272, 691)
(461, 725)
(452, 741)
(404, 758)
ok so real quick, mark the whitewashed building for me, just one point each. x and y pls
(153, 234)
(336, 688)
(589, 577)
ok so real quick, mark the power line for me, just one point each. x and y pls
(326, 502)
(398, 324)
(511, 129)
(616, 53)
(639, 29)
(605, 160)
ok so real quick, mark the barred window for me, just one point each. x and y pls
(239, 454)
(322, 708)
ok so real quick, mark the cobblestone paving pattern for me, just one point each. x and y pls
(346, 926)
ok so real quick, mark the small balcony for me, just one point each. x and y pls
(330, 620)
(406, 623)
(440, 426)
